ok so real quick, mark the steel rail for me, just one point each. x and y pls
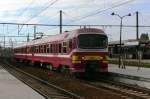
(126, 89)
(65, 92)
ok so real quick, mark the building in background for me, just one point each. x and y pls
(131, 49)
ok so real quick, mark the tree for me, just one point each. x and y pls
(144, 36)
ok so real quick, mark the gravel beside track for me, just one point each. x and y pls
(49, 91)
(72, 85)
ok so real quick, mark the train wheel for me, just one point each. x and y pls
(37, 64)
(50, 67)
(65, 69)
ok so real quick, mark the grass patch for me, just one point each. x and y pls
(131, 63)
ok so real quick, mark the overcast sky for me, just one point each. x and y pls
(74, 12)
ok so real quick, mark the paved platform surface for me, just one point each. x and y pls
(130, 70)
(12, 88)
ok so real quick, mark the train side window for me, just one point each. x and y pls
(34, 49)
(49, 48)
(57, 47)
(64, 47)
(60, 47)
(70, 44)
(45, 49)
(39, 49)
(64, 50)
(52, 48)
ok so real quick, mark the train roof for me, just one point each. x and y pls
(61, 37)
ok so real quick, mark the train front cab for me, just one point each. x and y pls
(91, 54)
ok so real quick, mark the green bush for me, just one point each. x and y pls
(131, 63)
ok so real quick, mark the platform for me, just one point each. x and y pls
(130, 70)
(12, 88)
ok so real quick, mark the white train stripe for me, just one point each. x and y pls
(45, 55)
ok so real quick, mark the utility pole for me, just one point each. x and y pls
(34, 31)
(60, 26)
(28, 38)
(137, 25)
(18, 30)
(120, 47)
(137, 38)
(4, 41)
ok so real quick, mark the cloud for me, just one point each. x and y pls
(22, 10)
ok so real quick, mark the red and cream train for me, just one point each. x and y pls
(81, 50)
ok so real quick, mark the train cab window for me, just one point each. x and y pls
(92, 41)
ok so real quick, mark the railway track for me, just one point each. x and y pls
(125, 90)
(46, 89)
(136, 78)
(128, 90)
(79, 86)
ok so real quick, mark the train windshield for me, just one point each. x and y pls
(92, 41)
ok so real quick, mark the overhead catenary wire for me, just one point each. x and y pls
(26, 8)
(49, 4)
(145, 18)
(96, 12)
(76, 25)
(102, 10)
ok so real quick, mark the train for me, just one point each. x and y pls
(83, 50)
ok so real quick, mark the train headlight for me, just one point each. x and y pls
(74, 57)
(106, 57)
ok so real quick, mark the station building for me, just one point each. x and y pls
(130, 49)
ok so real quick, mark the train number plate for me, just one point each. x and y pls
(92, 57)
